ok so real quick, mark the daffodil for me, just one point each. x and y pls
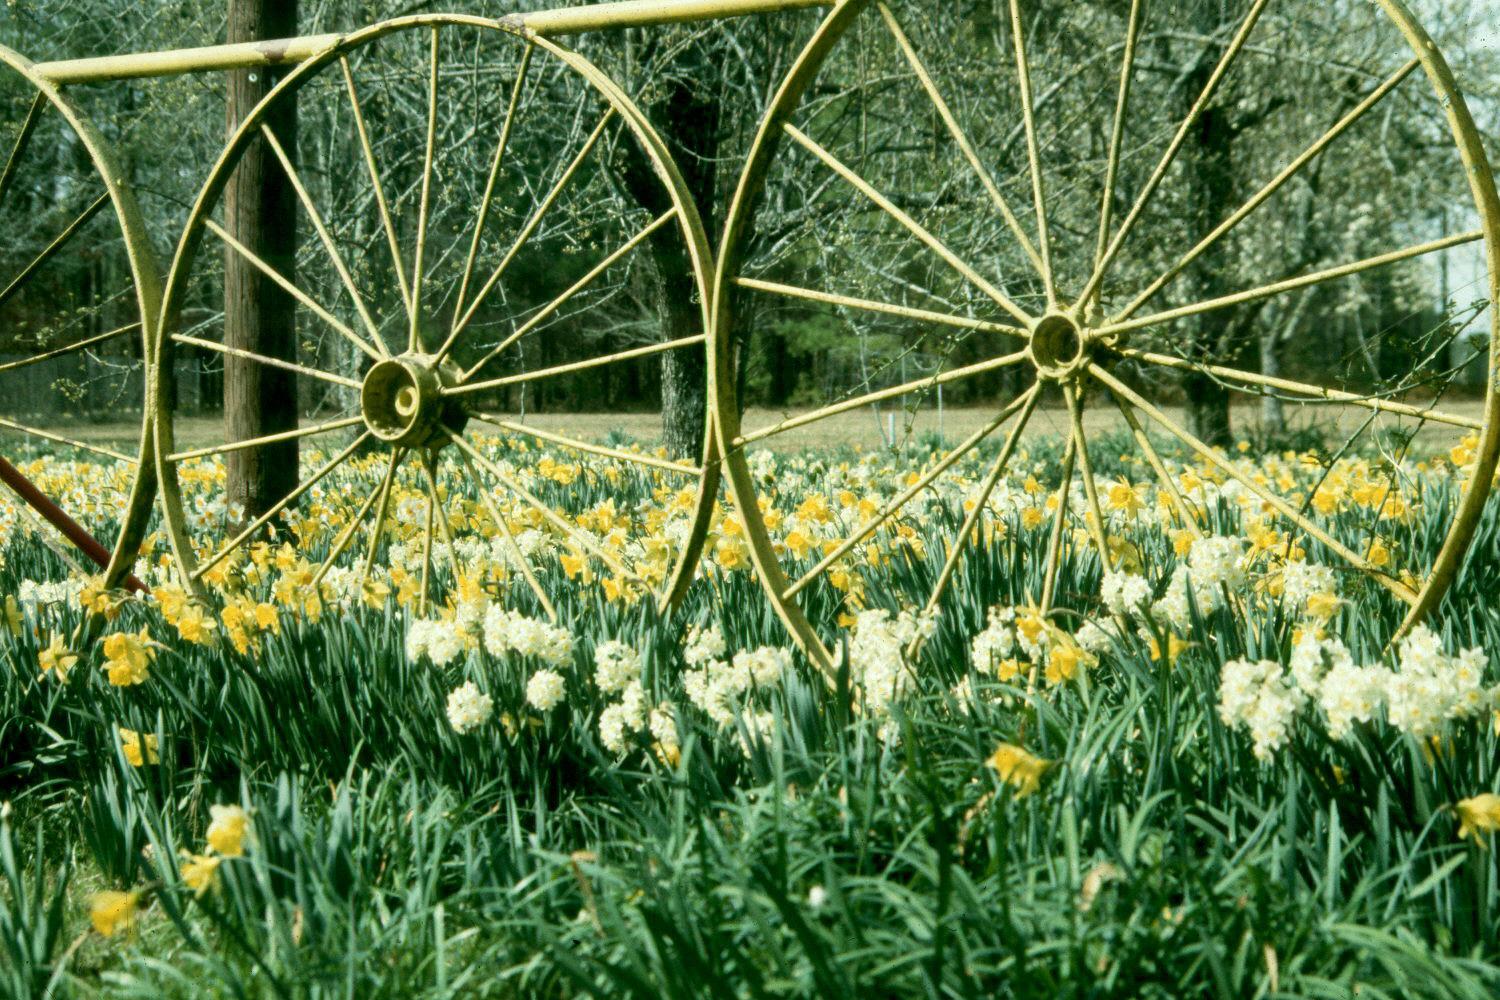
(112, 912)
(1480, 814)
(127, 657)
(199, 871)
(56, 659)
(1019, 768)
(227, 828)
(138, 748)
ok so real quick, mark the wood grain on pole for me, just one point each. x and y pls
(260, 212)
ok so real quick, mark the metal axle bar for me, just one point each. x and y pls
(58, 518)
(290, 51)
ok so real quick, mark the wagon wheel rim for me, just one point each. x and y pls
(108, 211)
(420, 407)
(1094, 340)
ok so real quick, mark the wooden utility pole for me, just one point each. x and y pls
(260, 211)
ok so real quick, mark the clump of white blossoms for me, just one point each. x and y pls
(615, 666)
(508, 632)
(33, 597)
(996, 643)
(1431, 687)
(1350, 694)
(724, 688)
(1261, 697)
(1314, 657)
(1217, 561)
(439, 640)
(877, 654)
(703, 646)
(622, 720)
(663, 726)
(1301, 581)
(545, 690)
(1427, 689)
(1125, 594)
(614, 728)
(468, 708)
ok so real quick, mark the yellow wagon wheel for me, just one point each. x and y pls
(990, 229)
(456, 274)
(79, 296)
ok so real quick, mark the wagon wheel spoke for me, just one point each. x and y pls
(375, 347)
(256, 442)
(387, 223)
(424, 594)
(346, 537)
(488, 199)
(1033, 153)
(469, 388)
(1059, 522)
(1292, 284)
(291, 366)
(1254, 383)
(1279, 504)
(579, 538)
(1271, 187)
(546, 311)
(81, 345)
(70, 442)
(1095, 518)
(23, 139)
(902, 499)
(1185, 513)
(276, 508)
(966, 532)
(62, 240)
(511, 546)
(867, 305)
(414, 334)
(440, 228)
(915, 228)
(881, 395)
(429, 473)
(648, 461)
(961, 139)
(382, 507)
(527, 230)
(1117, 132)
(290, 287)
(1210, 87)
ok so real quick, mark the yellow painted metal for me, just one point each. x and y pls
(290, 51)
(449, 383)
(145, 277)
(644, 13)
(1100, 341)
(175, 62)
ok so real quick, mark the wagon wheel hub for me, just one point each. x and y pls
(1060, 347)
(402, 404)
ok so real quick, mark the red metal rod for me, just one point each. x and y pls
(71, 529)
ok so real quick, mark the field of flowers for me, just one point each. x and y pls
(1203, 774)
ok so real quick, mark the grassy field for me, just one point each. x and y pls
(859, 429)
(1205, 775)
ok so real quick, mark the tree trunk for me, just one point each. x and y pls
(1209, 169)
(1272, 412)
(691, 121)
(688, 116)
(1208, 409)
(260, 211)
